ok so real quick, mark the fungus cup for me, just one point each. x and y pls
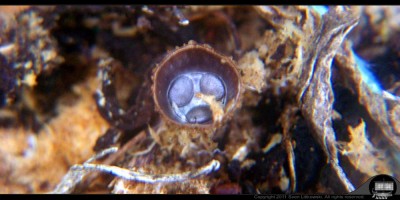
(194, 86)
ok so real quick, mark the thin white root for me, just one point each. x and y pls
(102, 154)
(146, 151)
(149, 178)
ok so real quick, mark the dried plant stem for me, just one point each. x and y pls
(76, 175)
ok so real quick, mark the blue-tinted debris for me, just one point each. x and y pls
(321, 10)
(369, 78)
(366, 74)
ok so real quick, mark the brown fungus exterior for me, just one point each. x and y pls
(191, 127)
(191, 60)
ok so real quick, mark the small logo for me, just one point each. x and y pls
(382, 187)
